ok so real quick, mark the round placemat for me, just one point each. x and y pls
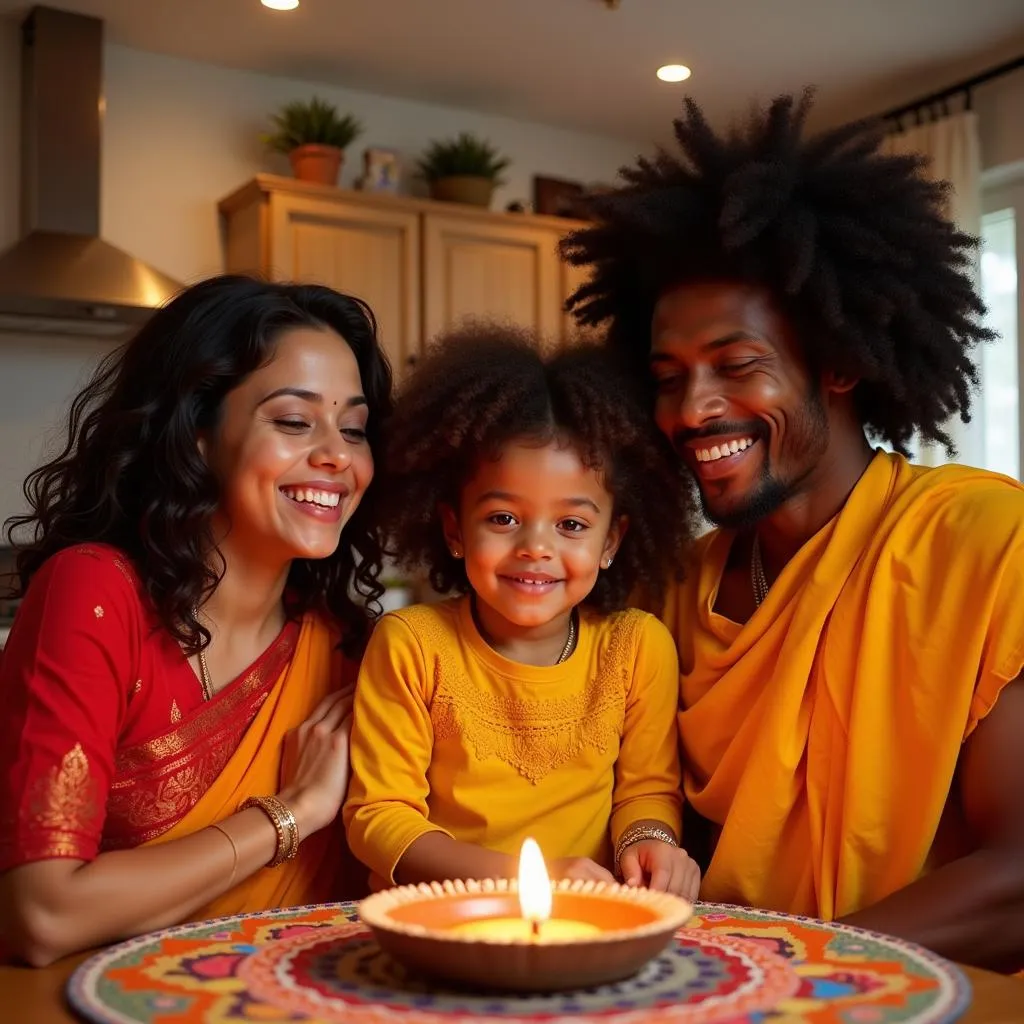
(320, 964)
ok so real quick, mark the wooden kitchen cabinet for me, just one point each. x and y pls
(421, 265)
(489, 268)
(362, 249)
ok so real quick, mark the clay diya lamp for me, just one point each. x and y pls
(525, 935)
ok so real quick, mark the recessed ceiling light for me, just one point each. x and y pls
(674, 73)
(280, 5)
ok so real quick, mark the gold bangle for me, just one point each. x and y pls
(637, 834)
(291, 826)
(234, 854)
(284, 823)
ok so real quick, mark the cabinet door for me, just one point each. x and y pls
(366, 251)
(478, 268)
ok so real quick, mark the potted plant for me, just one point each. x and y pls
(462, 170)
(314, 136)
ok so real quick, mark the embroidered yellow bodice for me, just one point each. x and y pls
(448, 735)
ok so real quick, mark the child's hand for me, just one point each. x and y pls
(579, 867)
(659, 865)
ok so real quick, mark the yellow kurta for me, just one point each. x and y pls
(823, 734)
(450, 736)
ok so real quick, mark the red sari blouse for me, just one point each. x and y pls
(105, 738)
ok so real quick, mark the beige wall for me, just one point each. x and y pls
(9, 135)
(177, 137)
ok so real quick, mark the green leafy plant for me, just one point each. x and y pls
(300, 123)
(464, 155)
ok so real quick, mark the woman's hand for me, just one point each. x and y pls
(579, 868)
(315, 764)
(659, 865)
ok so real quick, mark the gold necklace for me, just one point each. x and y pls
(758, 580)
(205, 680)
(570, 640)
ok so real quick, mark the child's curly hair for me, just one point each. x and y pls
(484, 385)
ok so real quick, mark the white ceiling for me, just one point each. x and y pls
(578, 64)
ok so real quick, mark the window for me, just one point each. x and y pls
(1000, 363)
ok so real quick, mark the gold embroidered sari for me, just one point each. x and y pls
(253, 769)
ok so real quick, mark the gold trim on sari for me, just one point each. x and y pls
(158, 781)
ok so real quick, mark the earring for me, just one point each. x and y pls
(456, 552)
(608, 564)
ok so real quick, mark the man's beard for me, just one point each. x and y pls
(770, 495)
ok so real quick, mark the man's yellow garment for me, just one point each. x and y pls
(823, 734)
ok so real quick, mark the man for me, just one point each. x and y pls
(852, 636)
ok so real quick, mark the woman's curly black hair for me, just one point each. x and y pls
(485, 385)
(853, 242)
(130, 473)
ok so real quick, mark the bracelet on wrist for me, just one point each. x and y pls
(284, 823)
(637, 834)
(234, 852)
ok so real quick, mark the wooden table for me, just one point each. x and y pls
(37, 996)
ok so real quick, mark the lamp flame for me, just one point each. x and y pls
(534, 883)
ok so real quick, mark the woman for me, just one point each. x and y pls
(174, 703)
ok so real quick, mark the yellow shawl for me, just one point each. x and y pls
(254, 770)
(822, 735)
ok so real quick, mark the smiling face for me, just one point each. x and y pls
(535, 527)
(290, 451)
(735, 397)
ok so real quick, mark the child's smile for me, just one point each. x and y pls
(532, 584)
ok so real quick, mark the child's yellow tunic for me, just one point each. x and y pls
(450, 736)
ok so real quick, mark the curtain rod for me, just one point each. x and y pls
(960, 87)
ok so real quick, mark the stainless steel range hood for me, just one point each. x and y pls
(61, 277)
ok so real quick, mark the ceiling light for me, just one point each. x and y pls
(280, 5)
(674, 73)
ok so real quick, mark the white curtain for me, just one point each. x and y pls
(951, 144)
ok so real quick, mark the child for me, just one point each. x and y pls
(537, 704)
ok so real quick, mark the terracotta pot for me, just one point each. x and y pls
(463, 188)
(316, 163)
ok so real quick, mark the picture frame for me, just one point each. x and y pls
(380, 171)
(557, 197)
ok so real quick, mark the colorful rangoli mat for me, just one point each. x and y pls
(319, 965)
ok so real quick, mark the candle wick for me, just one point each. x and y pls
(535, 928)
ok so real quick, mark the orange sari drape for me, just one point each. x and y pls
(823, 734)
(254, 770)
